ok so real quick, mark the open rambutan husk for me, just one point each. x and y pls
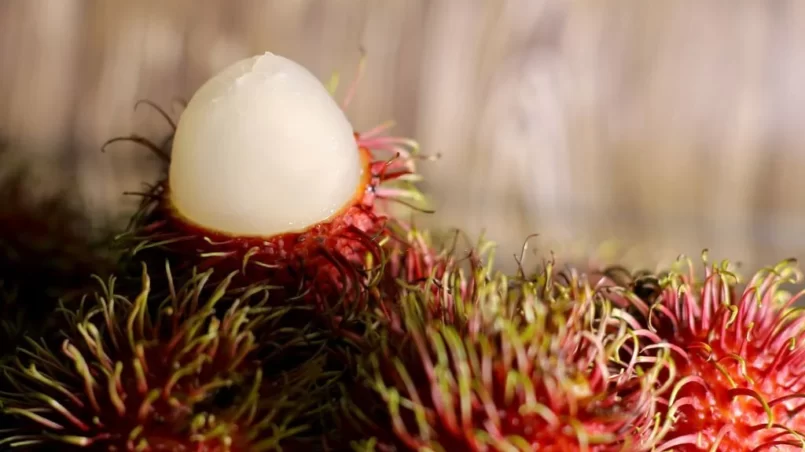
(738, 352)
(327, 263)
(510, 364)
(176, 369)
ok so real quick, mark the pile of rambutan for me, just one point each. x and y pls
(266, 297)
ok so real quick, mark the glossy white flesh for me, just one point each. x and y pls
(263, 149)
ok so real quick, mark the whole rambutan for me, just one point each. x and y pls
(173, 371)
(520, 365)
(738, 352)
(267, 177)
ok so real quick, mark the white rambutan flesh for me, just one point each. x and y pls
(263, 149)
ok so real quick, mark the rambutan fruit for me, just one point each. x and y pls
(173, 371)
(738, 353)
(267, 176)
(520, 365)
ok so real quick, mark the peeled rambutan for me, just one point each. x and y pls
(175, 371)
(267, 177)
(738, 354)
(520, 365)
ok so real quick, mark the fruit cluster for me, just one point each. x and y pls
(352, 329)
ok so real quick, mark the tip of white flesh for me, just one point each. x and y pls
(263, 149)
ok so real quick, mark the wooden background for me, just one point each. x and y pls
(669, 125)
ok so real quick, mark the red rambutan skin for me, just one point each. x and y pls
(739, 359)
(462, 378)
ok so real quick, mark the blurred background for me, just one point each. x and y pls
(670, 126)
